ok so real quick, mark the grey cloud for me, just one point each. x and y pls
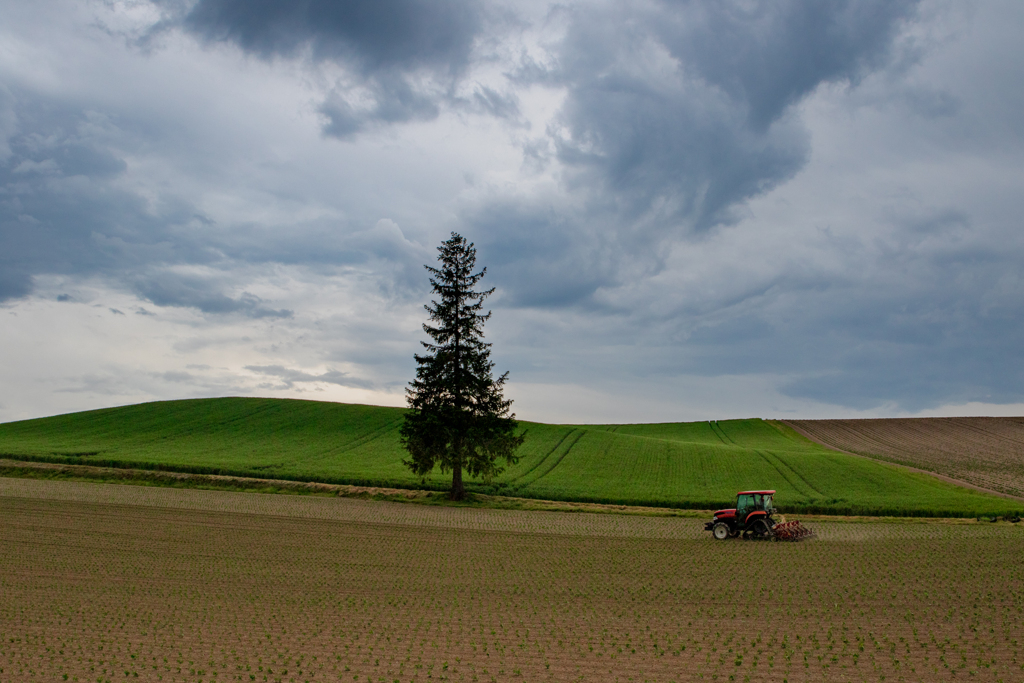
(675, 115)
(932, 318)
(63, 211)
(329, 245)
(175, 376)
(375, 34)
(705, 124)
(291, 377)
(391, 44)
(170, 289)
(497, 104)
(539, 258)
(107, 385)
(768, 55)
(394, 100)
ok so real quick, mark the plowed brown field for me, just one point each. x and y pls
(984, 451)
(116, 583)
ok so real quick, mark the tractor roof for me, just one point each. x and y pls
(767, 493)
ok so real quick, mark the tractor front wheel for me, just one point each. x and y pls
(720, 531)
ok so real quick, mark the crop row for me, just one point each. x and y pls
(985, 451)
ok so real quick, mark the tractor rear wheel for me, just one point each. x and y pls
(760, 530)
(720, 531)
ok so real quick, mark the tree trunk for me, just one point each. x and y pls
(458, 491)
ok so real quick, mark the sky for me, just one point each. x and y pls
(688, 210)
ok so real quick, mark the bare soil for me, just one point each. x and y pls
(987, 452)
(110, 583)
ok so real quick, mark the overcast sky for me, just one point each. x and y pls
(690, 210)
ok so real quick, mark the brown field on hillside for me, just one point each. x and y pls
(984, 451)
(116, 583)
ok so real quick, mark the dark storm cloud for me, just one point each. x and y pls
(390, 44)
(374, 34)
(677, 113)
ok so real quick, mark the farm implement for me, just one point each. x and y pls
(753, 518)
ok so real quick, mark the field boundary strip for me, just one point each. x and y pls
(903, 464)
(563, 522)
(90, 474)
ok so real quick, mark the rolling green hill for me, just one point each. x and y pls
(689, 465)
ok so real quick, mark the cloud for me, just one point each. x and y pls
(374, 34)
(683, 107)
(173, 289)
(64, 207)
(403, 56)
(70, 205)
(289, 378)
(675, 115)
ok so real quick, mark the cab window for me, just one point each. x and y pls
(744, 503)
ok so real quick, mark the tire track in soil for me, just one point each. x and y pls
(369, 436)
(779, 468)
(558, 461)
(720, 433)
(541, 461)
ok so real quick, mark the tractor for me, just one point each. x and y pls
(753, 518)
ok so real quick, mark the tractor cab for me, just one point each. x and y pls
(749, 502)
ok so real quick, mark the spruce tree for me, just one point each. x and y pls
(458, 418)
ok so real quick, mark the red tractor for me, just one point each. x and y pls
(753, 518)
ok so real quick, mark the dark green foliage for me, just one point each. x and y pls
(458, 418)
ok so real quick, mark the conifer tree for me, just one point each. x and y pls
(458, 418)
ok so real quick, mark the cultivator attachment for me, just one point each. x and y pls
(791, 531)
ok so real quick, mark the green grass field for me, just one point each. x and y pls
(688, 465)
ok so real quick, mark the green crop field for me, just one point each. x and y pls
(689, 465)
